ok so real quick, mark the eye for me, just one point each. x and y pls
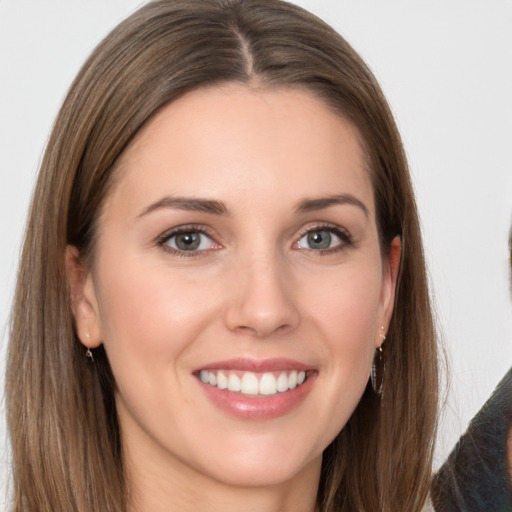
(187, 240)
(324, 239)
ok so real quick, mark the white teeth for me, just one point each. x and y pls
(282, 383)
(292, 380)
(268, 384)
(222, 381)
(234, 382)
(250, 383)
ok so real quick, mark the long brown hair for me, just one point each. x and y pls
(61, 412)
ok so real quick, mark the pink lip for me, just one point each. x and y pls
(255, 365)
(258, 407)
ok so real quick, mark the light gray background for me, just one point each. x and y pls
(446, 68)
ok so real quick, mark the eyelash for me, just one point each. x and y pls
(164, 239)
(341, 233)
(346, 240)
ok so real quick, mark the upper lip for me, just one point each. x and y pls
(255, 365)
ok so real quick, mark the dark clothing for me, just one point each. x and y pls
(475, 477)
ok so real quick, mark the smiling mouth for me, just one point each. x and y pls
(252, 383)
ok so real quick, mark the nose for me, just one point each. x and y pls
(263, 301)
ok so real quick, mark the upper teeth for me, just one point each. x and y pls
(250, 383)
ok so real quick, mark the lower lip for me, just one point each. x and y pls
(258, 407)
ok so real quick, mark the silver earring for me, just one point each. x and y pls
(378, 368)
(89, 355)
(88, 352)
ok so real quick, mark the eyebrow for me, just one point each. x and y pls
(214, 207)
(309, 205)
(189, 204)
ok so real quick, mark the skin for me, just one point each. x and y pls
(255, 289)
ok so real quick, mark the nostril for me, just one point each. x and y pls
(262, 331)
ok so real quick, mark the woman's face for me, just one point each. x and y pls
(238, 286)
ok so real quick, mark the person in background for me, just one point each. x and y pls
(477, 476)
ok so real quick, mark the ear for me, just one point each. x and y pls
(83, 299)
(390, 268)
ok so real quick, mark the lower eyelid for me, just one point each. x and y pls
(164, 240)
(345, 239)
(198, 249)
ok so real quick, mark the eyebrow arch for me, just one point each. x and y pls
(309, 205)
(189, 204)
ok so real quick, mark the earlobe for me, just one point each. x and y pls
(82, 298)
(390, 277)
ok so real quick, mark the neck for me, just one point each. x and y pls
(181, 488)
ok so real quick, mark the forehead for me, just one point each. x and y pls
(246, 140)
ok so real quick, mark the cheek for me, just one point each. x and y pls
(347, 318)
(149, 316)
(349, 311)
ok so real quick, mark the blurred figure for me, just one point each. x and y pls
(477, 476)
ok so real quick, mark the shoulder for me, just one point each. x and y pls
(475, 475)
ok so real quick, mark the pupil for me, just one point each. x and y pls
(188, 241)
(319, 239)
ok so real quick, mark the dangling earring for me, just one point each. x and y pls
(88, 352)
(378, 368)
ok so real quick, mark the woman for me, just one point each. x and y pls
(222, 236)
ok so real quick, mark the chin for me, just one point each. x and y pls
(258, 466)
(268, 474)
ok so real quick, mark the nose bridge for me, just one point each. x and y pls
(263, 302)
